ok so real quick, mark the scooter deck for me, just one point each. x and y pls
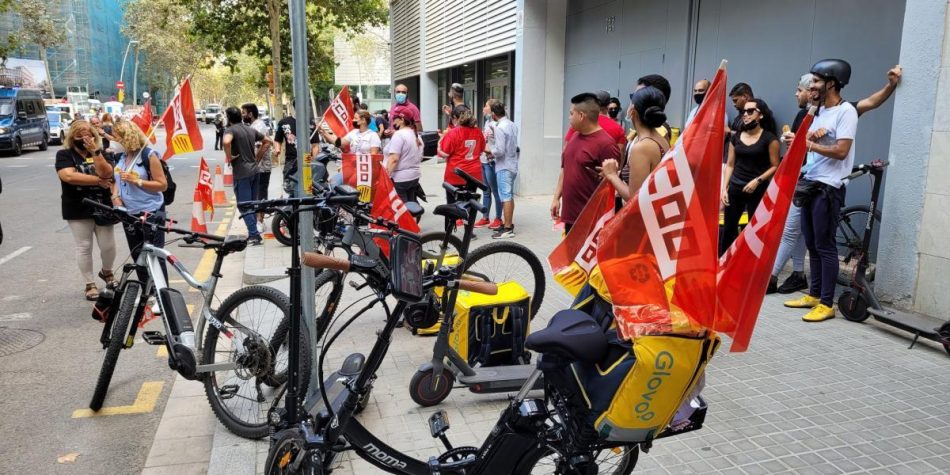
(916, 323)
(336, 393)
(496, 379)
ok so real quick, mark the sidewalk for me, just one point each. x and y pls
(833, 397)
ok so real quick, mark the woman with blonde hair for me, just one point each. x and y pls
(139, 183)
(84, 172)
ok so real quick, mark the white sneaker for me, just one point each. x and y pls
(262, 227)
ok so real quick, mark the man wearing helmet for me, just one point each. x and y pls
(831, 156)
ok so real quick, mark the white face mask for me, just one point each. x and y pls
(117, 148)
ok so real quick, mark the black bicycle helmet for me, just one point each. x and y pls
(837, 69)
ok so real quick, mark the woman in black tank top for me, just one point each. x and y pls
(646, 112)
(753, 159)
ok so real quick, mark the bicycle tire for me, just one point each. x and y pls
(434, 240)
(849, 236)
(281, 229)
(256, 365)
(330, 280)
(120, 328)
(484, 253)
(283, 452)
(530, 463)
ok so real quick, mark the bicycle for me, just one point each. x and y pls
(253, 356)
(529, 432)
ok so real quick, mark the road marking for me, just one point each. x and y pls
(13, 254)
(16, 317)
(10, 298)
(23, 158)
(17, 166)
(144, 403)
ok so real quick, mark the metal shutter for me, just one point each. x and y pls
(465, 30)
(406, 38)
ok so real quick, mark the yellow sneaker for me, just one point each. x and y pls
(820, 313)
(805, 302)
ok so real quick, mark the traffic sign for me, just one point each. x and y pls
(119, 85)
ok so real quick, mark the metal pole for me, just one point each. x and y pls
(298, 42)
(124, 58)
(135, 79)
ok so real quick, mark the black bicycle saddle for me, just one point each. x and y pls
(451, 211)
(572, 334)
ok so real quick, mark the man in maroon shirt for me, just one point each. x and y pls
(604, 121)
(580, 159)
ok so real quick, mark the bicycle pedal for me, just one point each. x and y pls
(228, 391)
(153, 338)
(438, 423)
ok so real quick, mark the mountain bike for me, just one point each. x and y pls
(236, 341)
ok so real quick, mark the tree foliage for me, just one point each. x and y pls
(229, 85)
(230, 27)
(162, 28)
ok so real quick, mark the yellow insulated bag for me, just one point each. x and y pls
(490, 330)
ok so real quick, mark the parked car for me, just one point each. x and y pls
(22, 120)
(57, 126)
(210, 111)
(200, 115)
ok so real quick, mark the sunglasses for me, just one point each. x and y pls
(749, 111)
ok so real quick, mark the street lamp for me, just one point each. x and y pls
(125, 57)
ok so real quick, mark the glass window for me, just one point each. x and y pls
(468, 73)
(30, 107)
(497, 68)
(6, 108)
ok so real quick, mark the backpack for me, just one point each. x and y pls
(169, 192)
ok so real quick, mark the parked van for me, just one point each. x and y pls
(211, 110)
(57, 125)
(22, 120)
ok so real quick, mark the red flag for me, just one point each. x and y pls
(576, 256)
(658, 256)
(339, 116)
(144, 120)
(205, 188)
(367, 174)
(744, 269)
(181, 126)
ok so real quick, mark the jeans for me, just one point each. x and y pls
(135, 236)
(263, 182)
(819, 223)
(488, 172)
(739, 201)
(793, 243)
(245, 189)
(506, 185)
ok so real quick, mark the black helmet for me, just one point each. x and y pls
(837, 69)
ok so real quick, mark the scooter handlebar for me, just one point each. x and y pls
(322, 261)
(478, 287)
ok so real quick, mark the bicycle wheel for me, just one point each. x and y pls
(849, 237)
(281, 229)
(240, 398)
(120, 330)
(287, 455)
(508, 261)
(432, 242)
(616, 461)
(329, 288)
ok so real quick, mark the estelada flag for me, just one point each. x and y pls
(204, 187)
(658, 256)
(744, 269)
(339, 116)
(144, 120)
(573, 260)
(366, 173)
(181, 126)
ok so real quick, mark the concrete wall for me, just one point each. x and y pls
(914, 258)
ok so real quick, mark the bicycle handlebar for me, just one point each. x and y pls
(322, 261)
(478, 287)
(144, 218)
(470, 180)
(866, 168)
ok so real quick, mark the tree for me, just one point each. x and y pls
(230, 27)
(39, 28)
(162, 28)
(8, 44)
(229, 85)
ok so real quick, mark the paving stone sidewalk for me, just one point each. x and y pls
(833, 397)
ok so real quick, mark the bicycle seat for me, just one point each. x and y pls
(230, 244)
(345, 190)
(415, 209)
(451, 211)
(572, 334)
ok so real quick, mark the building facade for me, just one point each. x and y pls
(362, 62)
(546, 51)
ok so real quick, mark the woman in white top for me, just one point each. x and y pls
(404, 157)
(360, 140)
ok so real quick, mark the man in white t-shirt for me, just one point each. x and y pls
(831, 156)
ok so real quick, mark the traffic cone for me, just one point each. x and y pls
(228, 177)
(220, 199)
(198, 214)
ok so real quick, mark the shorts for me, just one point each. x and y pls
(506, 184)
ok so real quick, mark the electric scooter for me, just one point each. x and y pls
(859, 302)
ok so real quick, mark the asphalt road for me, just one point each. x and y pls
(49, 351)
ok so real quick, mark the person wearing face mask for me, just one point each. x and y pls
(456, 98)
(404, 157)
(610, 126)
(360, 140)
(647, 148)
(403, 106)
(488, 171)
(753, 159)
(699, 94)
(613, 110)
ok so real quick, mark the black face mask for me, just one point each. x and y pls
(356, 124)
(247, 120)
(613, 113)
(750, 125)
(699, 97)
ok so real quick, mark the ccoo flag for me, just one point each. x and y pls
(366, 173)
(745, 268)
(339, 116)
(144, 120)
(573, 260)
(204, 187)
(658, 256)
(181, 126)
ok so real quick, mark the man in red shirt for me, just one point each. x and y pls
(403, 106)
(604, 121)
(582, 156)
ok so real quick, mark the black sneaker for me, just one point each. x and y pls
(793, 283)
(255, 241)
(773, 285)
(504, 233)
